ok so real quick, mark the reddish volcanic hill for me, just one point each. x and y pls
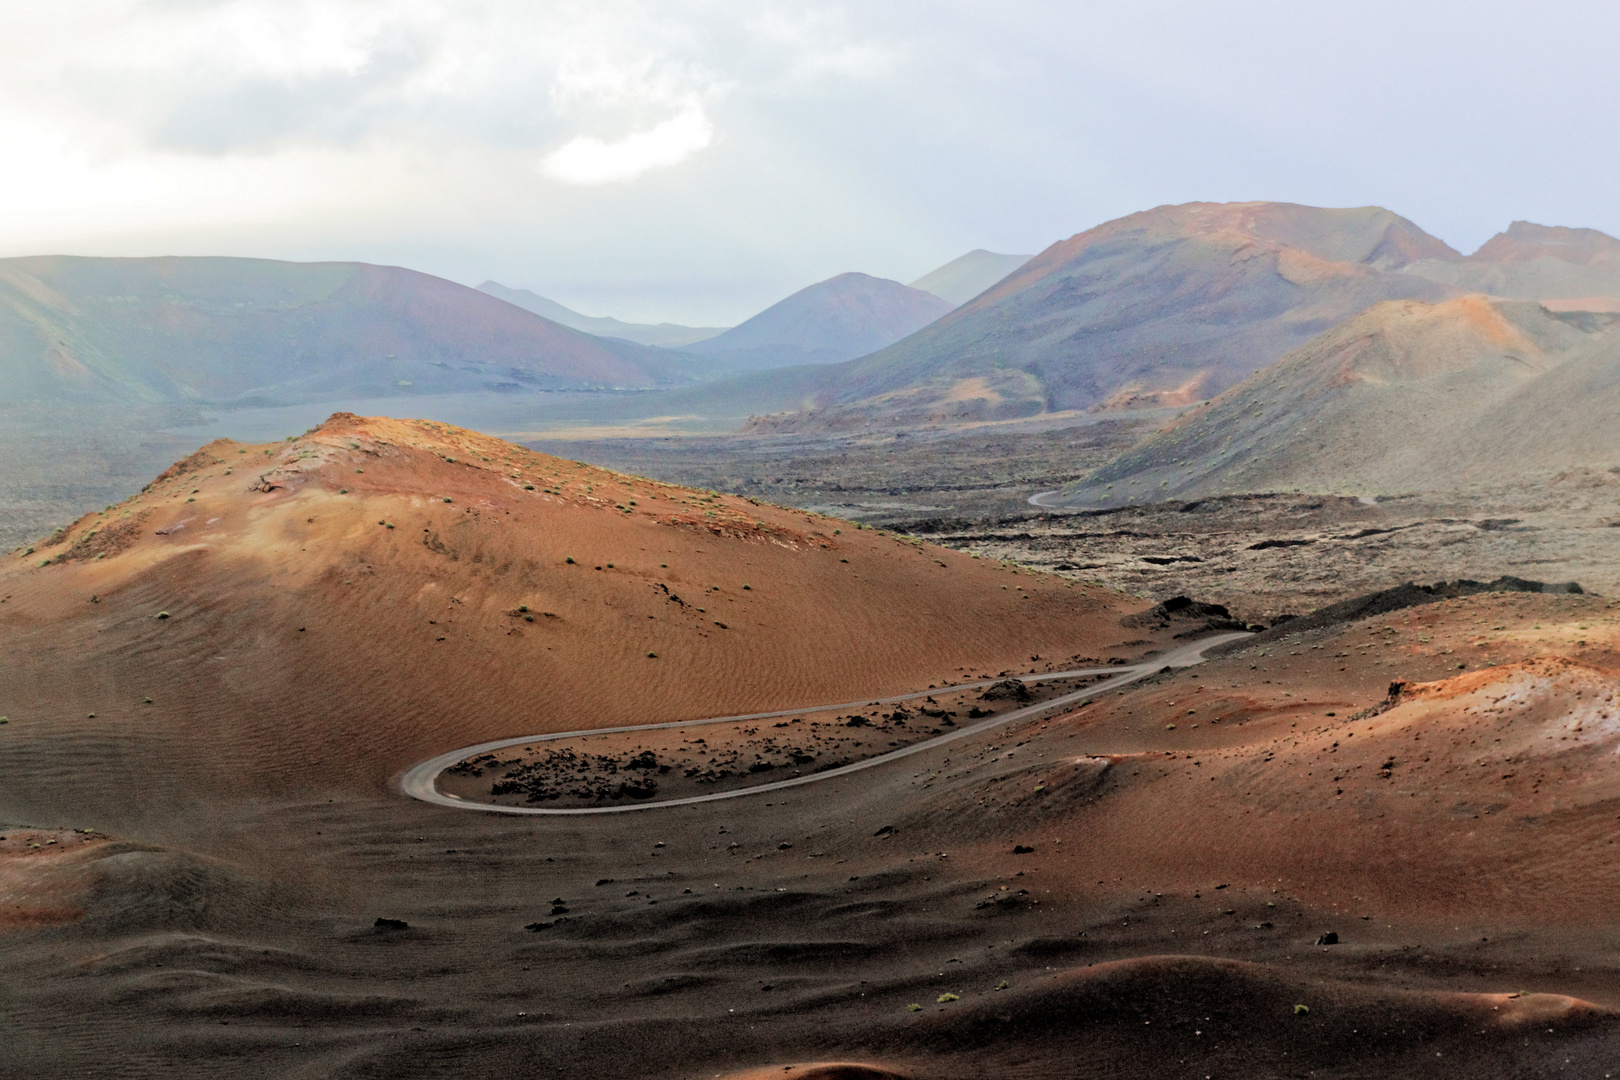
(1405, 396)
(258, 331)
(1163, 307)
(331, 609)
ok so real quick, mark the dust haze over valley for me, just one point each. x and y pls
(710, 541)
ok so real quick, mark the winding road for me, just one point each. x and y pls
(421, 781)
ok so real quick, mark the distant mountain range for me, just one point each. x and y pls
(834, 320)
(255, 331)
(837, 319)
(960, 280)
(1168, 307)
(1406, 396)
(663, 335)
(237, 332)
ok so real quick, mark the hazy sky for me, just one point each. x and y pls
(694, 160)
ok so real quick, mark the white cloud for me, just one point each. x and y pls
(589, 160)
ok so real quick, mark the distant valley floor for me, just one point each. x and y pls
(1261, 555)
(884, 476)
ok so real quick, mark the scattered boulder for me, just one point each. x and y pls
(1008, 690)
(391, 924)
(1329, 938)
(1188, 615)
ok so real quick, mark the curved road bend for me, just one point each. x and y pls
(419, 782)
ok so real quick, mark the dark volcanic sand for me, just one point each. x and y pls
(1148, 932)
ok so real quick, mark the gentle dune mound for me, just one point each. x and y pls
(51, 877)
(328, 610)
(1232, 1017)
(821, 1070)
(45, 876)
(1517, 1011)
(1549, 721)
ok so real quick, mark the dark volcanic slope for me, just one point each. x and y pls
(1407, 396)
(838, 319)
(253, 330)
(1164, 307)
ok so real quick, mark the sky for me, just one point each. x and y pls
(696, 160)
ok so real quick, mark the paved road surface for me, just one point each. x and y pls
(420, 781)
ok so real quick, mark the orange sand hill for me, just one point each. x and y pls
(328, 610)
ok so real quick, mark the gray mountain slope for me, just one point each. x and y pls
(831, 321)
(1567, 268)
(661, 335)
(961, 279)
(241, 331)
